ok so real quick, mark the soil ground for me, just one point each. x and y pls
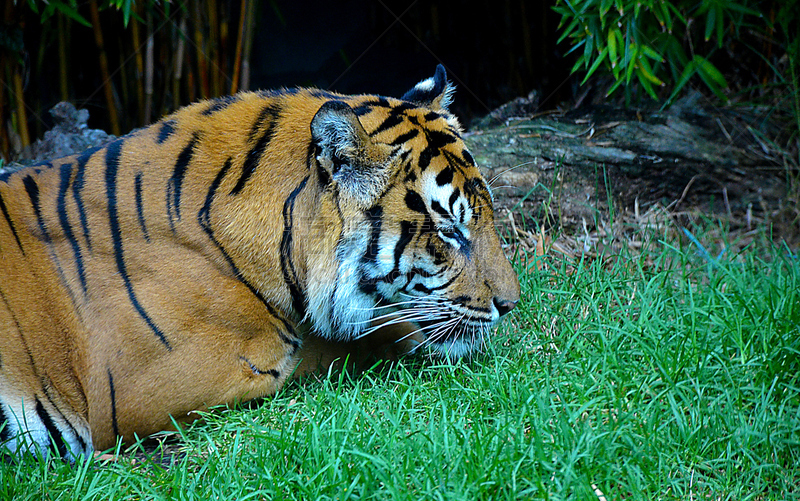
(591, 178)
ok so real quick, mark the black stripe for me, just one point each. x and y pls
(253, 157)
(33, 193)
(113, 395)
(407, 231)
(452, 202)
(445, 176)
(175, 183)
(204, 219)
(468, 157)
(436, 141)
(4, 209)
(77, 188)
(437, 207)
(204, 216)
(61, 204)
(287, 263)
(366, 107)
(363, 109)
(266, 113)
(219, 104)
(415, 202)
(390, 121)
(426, 156)
(428, 290)
(260, 372)
(56, 438)
(404, 137)
(476, 188)
(463, 300)
(375, 218)
(112, 165)
(5, 433)
(166, 130)
(137, 188)
(455, 162)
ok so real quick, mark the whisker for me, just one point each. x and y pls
(496, 176)
(400, 320)
(391, 314)
(447, 327)
(391, 305)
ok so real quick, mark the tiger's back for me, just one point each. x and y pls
(183, 265)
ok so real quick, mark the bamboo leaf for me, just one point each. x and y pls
(686, 75)
(631, 64)
(648, 87)
(652, 54)
(676, 13)
(612, 47)
(710, 19)
(68, 11)
(614, 87)
(705, 67)
(605, 6)
(576, 47)
(596, 64)
(646, 71)
(742, 9)
(569, 30)
(588, 49)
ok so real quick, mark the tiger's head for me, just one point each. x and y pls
(414, 240)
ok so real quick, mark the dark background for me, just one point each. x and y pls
(493, 51)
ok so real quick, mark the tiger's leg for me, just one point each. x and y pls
(40, 396)
(224, 348)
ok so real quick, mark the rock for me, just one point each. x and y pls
(70, 135)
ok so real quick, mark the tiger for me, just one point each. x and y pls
(208, 258)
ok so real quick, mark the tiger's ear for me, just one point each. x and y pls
(357, 164)
(435, 92)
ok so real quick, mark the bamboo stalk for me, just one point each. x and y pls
(22, 115)
(107, 84)
(237, 61)
(224, 46)
(176, 86)
(4, 145)
(213, 46)
(124, 86)
(202, 65)
(6, 68)
(248, 44)
(137, 46)
(148, 71)
(62, 58)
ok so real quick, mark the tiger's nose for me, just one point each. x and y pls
(504, 305)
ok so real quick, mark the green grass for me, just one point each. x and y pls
(661, 375)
